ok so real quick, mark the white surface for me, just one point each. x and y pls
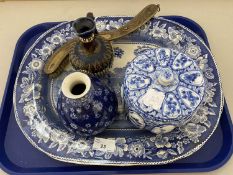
(104, 145)
(153, 98)
(214, 16)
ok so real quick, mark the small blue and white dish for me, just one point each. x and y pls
(162, 89)
(86, 106)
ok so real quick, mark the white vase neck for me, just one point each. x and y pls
(77, 79)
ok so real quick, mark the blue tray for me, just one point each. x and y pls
(18, 156)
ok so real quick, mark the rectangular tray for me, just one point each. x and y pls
(18, 156)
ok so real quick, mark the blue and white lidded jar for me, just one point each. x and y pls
(85, 105)
(162, 88)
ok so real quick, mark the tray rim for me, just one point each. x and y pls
(14, 57)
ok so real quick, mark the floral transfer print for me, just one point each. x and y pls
(31, 109)
(118, 52)
(158, 31)
(174, 35)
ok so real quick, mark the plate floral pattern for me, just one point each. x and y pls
(35, 115)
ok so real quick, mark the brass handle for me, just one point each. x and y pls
(58, 56)
(141, 18)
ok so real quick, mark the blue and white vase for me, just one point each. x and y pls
(85, 105)
(162, 88)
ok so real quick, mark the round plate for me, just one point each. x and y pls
(121, 144)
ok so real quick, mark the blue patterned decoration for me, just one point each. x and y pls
(35, 97)
(163, 88)
(90, 114)
(118, 52)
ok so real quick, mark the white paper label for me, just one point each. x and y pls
(153, 99)
(105, 145)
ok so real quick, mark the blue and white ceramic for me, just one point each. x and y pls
(121, 144)
(162, 88)
(86, 106)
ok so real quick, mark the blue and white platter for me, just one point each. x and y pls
(35, 96)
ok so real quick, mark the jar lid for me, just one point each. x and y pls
(163, 86)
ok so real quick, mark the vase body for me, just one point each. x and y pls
(86, 106)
